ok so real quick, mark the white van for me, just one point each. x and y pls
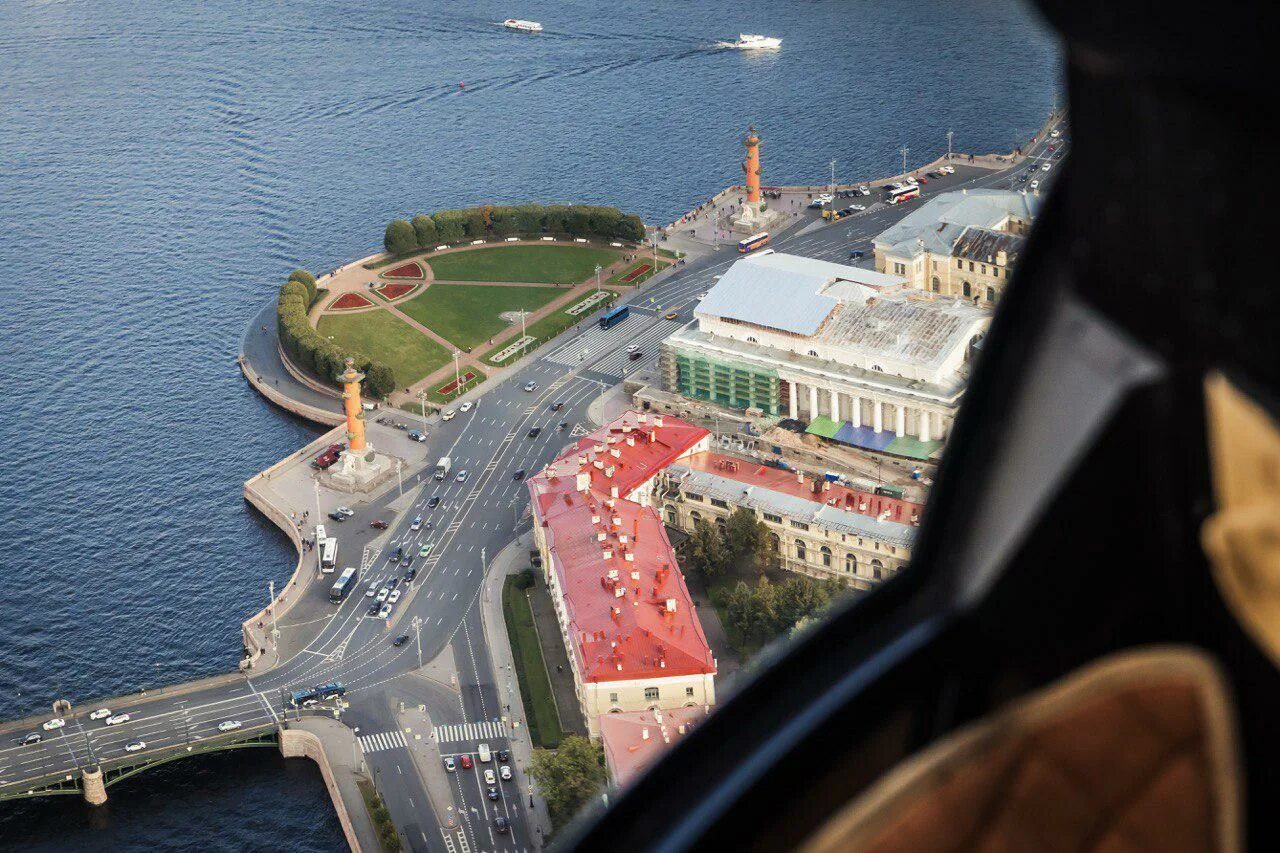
(483, 751)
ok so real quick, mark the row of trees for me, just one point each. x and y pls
(311, 350)
(710, 552)
(474, 223)
(569, 777)
(768, 610)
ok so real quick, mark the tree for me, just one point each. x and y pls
(424, 232)
(399, 238)
(449, 225)
(703, 552)
(308, 281)
(379, 380)
(746, 538)
(569, 777)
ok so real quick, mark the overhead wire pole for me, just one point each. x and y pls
(422, 409)
(598, 279)
(950, 134)
(904, 162)
(316, 537)
(416, 624)
(457, 374)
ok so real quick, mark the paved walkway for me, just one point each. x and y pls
(347, 767)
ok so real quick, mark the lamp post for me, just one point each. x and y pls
(457, 374)
(422, 409)
(950, 134)
(316, 485)
(416, 624)
(598, 278)
(904, 162)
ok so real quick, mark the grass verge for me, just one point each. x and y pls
(381, 817)
(531, 670)
(551, 263)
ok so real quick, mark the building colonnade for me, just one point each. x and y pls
(866, 410)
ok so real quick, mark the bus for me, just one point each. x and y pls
(328, 553)
(343, 585)
(609, 319)
(902, 192)
(752, 243)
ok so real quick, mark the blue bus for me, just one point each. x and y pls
(609, 319)
(331, 690)
(343, 585)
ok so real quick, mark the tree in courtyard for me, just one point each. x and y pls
(746, 539)
(704, 553)
(798, 598)
(569, 777)
(399, 238)
(424, 232)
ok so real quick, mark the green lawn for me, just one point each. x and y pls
(467, 314)
(551, 325)
(552, 263)
(535, 689)
(383, 337)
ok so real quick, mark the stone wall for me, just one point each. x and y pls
(295, 743)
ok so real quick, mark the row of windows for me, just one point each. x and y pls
(825, 557)
(995, 271)
(768, 516)
(650, 695)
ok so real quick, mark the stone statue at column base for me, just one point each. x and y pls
(754, 217)
(360, 472)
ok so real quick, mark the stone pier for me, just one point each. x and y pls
(95, 789)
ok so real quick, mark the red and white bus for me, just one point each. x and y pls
(901, 192)
(752, 243)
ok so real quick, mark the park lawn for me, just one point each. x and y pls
(383, 337)
(550, 326)
(552, 263)
(467, 314)
(531, 670)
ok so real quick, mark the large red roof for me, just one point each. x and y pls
(629, 611)
(634, 740)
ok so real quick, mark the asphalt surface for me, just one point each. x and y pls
(475, 518)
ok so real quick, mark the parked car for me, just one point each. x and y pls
(864, 190)
(425, 550)
(378, 525)
(99, 714)
(505, 772)
(465, 407)
(407, 561)
(372, 591)
(117, 719)
(448, 415)
(394, 556)
(410, 575)
(373, 609)
(400, 641)
(34, 737)
(449, 764)
(337, 516)
(382, 595)
(1046, 167)
(557, 406)
(531, 386)
(635, 355)
(504, 755)
(416, 435)
(136, 746)
(857, 255)
(229, 726)
(345, 511)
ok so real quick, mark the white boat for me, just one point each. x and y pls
(522, 26)
(746, 41)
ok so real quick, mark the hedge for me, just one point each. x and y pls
(314, 352)
(476, 223)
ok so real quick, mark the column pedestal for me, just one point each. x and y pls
(95, 790)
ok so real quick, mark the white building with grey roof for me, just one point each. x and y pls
(962, 244)
(856, 354)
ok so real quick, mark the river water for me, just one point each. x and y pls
(162, 167)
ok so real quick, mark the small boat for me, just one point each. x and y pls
(522, 26)
(746, 41)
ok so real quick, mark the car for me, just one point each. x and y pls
(632, 347)
(848, 211)
(505, 772)
(911, 181)
(393, 597)
(922, 179)
(394, 556)
(434, 502)
(672, 315)
(385, 612)
(518, 475)
(100, 714)
(34, 737)
(425, 550)
(371, 591)
(382, 595)
(55, 724)
(557, 406)
(310, 703)
(337, 516)
(417, 523)
(400, 641)
(447, 415)
(636, 355)
(393, 583)
(229, 726)
(345, 511)
(1035, 185)
(501, 824)
(465, 761)
(704, 294)
(1055, 134)
(864, 190)
(136, 746)
(491, 793)
(1022, 179)
(950, 170)
(857, 255)
(416, 435)
(1046, 167)
(373, 609)
(465, 407)
(489, 777)
(462, 476)
(410, 575)
(504, 755)
(449, 764)
(117, 719)
(407, 561)
(533, 433)
(378, 525)
(531, 386)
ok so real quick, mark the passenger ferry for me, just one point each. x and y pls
(522, 26)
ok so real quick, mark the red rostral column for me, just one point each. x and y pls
(752, 165)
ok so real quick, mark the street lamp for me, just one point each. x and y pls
(316, 485)
(597, 278)
(422, 409)
(457, 374)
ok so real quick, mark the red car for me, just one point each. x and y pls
(465, 761)
(326, 459)
(378, 525)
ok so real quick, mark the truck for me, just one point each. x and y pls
(442, 468)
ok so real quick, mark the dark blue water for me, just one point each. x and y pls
(163, 165)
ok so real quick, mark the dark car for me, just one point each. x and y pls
(519, 475)
(557, 406)
(857, 255)
(533, 433)
(34, 737)
(400, 641)
(407, 561)
(410, 575)
(501, 824)
(373, 609)
(338, 517)
(378, 525)
(396, 555)
(393, 583)
(434, 502)
(635, 354)
(492, 793)
(504, 755)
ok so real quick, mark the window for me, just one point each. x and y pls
(984, 269)
(850, 564)
(877, 569)
(826, 557)
(877, 367)
(799, 525)
(970, 266)
(694, 517)
(937, 285)
(613, 697)
(693, 496)
(991, 294)
(672, 518)
(775, 543)
(801, 553)
(776, 519)
(968, 289)
(688, 691)
(959, 264)
(813, 352)
(751, 340)
(719, 503)
(651, 694)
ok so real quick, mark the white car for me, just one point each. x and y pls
(1034, 185)
(382, 595)
(1046, 167)
(633, 347)
(229, 726)
(100, 713)
(117, 719)
(385, 611)
(948, 170)
(345, 511)
(913, 182)
(857, 207)
(448, 415)
(864, 190)
(505, 772)
(531, 386)
(393, 597)
(373, 590)
(136, 746)
(55, 723)
(489, 778)
(462, 476)
(1056, 134)
(465, 407)
(417, 523)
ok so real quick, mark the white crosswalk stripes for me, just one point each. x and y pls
(647, 342)
(470, 732)
(381, 741)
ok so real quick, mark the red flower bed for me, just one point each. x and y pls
(449, 389)
(349, 300)
(409, 270)
(636, 273)
(395, 291)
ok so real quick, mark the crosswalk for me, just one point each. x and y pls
(618, 361)
(470, 732)
(604, 350)
(381, 741)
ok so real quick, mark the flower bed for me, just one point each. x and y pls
(347, 301)
(636, 273)
(449, 389)
(395, 291)
(410, 270)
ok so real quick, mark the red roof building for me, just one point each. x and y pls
(635, 740)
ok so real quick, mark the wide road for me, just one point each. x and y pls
(476, 516)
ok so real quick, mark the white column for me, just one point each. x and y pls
(878, 422)
(835, 405)
(857, 412)
(795, 405)
(924, 425)
(813, 402)
(900, 420)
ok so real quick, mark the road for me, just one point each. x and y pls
(476, 517)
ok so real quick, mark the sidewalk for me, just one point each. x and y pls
(509, 561)
(332, 746)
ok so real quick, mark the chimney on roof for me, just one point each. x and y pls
(644, 733)
(631, 442)
(1002, 258)
(657, 420)
(680, 728)
(642, 417)
(613, 490)
(583, 481)
(671, 605)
